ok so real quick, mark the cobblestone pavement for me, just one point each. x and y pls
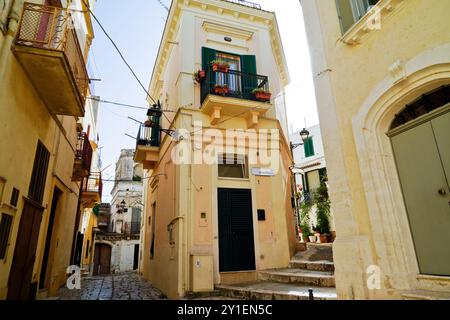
(122, 286)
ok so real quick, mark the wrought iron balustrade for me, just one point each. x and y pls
(246, 3)
(52, 28)
(84, 151)
(148, 136)
(237, 84)
(93, 184)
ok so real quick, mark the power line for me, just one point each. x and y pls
(123, 58)
(122, 104)
(118, 51)
(163, 5)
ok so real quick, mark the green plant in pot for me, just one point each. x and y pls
(323, 206)
(305, 227)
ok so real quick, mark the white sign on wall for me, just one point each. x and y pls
(265, 172)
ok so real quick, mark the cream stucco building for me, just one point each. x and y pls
(216, 222)
(47, 147)
(382, 76)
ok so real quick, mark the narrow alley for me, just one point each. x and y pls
(123, 286)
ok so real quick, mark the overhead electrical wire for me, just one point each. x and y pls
(122, 57)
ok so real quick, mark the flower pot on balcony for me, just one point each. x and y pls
(312, 239)
(222, 67)
(221, 89)
(263, 96)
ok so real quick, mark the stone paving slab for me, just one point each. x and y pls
(122, 286)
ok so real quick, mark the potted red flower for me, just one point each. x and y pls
(262, 94)
(221, 89)
(199, 75)
(219, 65)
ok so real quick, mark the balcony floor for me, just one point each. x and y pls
(147, 155)
(233, 106)
(52, 78)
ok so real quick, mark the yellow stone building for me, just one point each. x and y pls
(47, 145)
(219, 222)
(382, 76)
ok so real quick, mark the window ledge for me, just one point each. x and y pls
(371, 21)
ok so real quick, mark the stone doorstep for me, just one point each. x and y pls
(307, 277)
(425, 295)
(275, 291)
(321, 265)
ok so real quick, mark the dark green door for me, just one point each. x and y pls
(236, 242)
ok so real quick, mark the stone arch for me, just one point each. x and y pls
(390, 229)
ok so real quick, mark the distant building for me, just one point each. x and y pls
(310, 159)
(117, 245)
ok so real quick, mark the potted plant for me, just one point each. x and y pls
(199, 75)
(219, 65)
(221, 89)
(323, 212)
(262, 94)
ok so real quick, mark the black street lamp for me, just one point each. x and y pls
(304, 134)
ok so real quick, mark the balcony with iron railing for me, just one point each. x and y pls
(83, 157)
(147, 145)
(246, 3)
(234, 93)
(47, 47)
(91, 190)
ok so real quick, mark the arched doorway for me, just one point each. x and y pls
(102, 259)
(420, 138)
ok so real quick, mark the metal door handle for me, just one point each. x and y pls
(442, 192)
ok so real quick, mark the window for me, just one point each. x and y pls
(87, 249)
(5, 229)
(233, 166)
(152, 245)
(351, 11)
(39, 175)
(14, 197)
(309, 147)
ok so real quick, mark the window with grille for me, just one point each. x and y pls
(5, 230)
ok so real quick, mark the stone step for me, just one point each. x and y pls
(275, 291)
(321, 265)
(299, 276)
(426, 295)
(316, 252)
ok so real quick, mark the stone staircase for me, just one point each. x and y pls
(308, 270)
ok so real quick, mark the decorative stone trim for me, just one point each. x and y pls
(372, 21)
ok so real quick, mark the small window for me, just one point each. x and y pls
(87, 249)
(5, 229)
(233, 166)
(351, 11)
(309, 147)
(14, 197)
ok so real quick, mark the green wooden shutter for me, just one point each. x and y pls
(248, 65)
(309, 147)
(208, 55)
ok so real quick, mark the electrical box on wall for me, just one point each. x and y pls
(202, 275)
(261, 215)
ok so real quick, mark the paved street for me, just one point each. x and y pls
(124, 286)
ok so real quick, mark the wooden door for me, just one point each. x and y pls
(102, 259)
(25, 252)
(422, 155)
(236, 242)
